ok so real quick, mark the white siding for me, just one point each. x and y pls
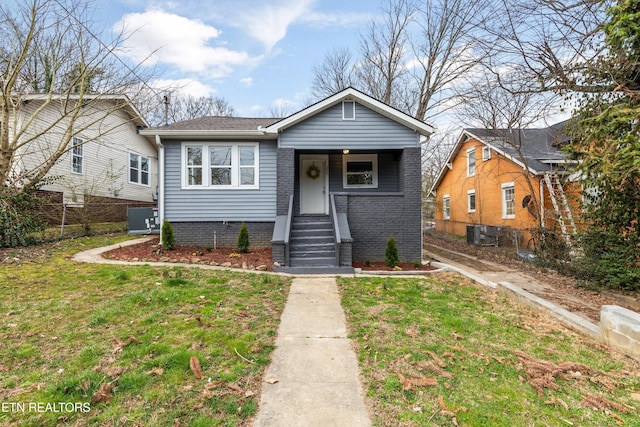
(109, 140)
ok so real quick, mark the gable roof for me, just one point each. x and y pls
(127, 105)
(351, 94)
(269, 128)
(539, 149)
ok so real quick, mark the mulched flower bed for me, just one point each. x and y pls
(255, 259)
(381, 266)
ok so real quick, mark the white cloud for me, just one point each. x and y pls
(191, 87)
(247, 81)
(156, 36)
(321, 19)
(269, 22)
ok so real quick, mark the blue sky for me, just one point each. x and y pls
(257, 54)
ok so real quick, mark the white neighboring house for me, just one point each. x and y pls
(106, 157)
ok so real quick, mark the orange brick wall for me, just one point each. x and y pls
(487, 183)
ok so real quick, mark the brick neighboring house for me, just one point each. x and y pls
(107, 161)
(501, 178)
(323, 187)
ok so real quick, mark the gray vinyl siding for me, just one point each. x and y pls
(183, 205)
(369, 130)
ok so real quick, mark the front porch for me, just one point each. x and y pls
(337, 207)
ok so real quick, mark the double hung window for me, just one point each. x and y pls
(77, 155)
(138, 169)
(220, 165)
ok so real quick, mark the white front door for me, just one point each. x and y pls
(314, 184)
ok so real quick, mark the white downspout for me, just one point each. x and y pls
(160, 182)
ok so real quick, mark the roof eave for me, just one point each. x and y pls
(217, 134)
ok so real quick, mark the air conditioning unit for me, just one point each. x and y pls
(483, 235)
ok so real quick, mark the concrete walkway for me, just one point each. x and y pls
(313, 379)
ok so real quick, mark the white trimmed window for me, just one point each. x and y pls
(138, 169)
(348, 110)
(77, 155)
(486, 153)
(471, 201)
(220, 165)
(471, 161)
(446, 206)
(360, 171)
(508, 200)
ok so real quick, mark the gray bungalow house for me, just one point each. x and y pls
(323, 187)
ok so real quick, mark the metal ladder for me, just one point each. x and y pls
(561, 206)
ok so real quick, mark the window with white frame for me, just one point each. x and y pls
(471, 161)
(77, 155)
(471, 201)
(486, 153)
(508, 201)
(360, 171)
(446, 206)
(220, 165)
(348, 110)
(138, 169)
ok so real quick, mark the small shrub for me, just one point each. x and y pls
(243, 239)
(391, 253)
(417, 264)
(367, 263)
(168, 238)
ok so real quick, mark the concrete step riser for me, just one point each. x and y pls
(312, 262)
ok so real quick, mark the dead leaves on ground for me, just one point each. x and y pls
(194, 364)
(542, 374)
(411, 373)
(103, 394)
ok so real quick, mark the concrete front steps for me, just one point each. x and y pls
(312, 246)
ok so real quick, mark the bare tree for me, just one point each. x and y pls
(52, 56)
(413, 57)
(548, 43)
(334, 74)
(177, 107)
(381, 70)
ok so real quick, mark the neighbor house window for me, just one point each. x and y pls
(508, 201)
(348, 110)
(446, 206)
(138, 169)
(229, 165)
(486, 153)
(77, 155)
(471, 161)
(360, 171)
(471, 200)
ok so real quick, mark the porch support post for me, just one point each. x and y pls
(411, 186)
(285, 179)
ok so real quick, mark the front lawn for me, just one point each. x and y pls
(131, 345)
(444, 351)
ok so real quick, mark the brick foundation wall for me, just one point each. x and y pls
(202, 233)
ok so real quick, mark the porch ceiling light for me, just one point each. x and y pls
(345, 151)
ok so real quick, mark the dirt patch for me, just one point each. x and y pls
(552, 286)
